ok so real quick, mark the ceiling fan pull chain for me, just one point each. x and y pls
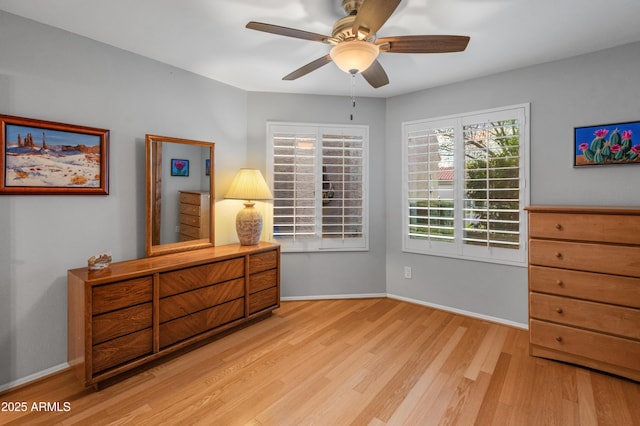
(353, 93)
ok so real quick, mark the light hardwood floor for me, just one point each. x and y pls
(339, 362)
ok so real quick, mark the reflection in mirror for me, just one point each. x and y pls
(179, 194)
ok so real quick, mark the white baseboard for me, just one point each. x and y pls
(415, 301)
(461, 312)
(34, 376)
(335, 296)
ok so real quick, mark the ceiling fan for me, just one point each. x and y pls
(355, 44)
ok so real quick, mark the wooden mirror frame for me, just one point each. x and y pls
(153, 147)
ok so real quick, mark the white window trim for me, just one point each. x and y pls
(319, 244)
(458, 249)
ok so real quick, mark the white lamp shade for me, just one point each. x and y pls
(354, 56)
(249, 184)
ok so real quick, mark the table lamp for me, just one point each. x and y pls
(249, 185)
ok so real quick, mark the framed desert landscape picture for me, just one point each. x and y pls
(44, 157)
(607, 144)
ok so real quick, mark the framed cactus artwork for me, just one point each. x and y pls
(179, 167)
(607, 144)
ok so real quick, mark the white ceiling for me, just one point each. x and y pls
(208, 37)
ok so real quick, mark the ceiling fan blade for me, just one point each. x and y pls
(306, 69)
(375, 75)
(373, 14)
(286, 31)
(424, 43)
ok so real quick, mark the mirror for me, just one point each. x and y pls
(180, 194)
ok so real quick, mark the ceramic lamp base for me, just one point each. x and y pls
(249, 225)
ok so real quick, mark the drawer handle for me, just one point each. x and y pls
(560, 283)
(558, 255)
(558, 226)
(559, 310)
(559, 339)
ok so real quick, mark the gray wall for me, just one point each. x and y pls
(338, 273)
(602, 87)
(52, 75)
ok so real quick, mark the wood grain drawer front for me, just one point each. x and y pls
(263, 261)
(190, 220)
(190, 231)
(200, 276)
(623, 291)
(263, 280)
(190, 198)
(624, 322)
(585, 227)
(263, 299)
(190, 209)
(191, 325)
(601, 347)
(192, 301)
(609, 259)
(121, 322)
(119, 295)
(117, 351)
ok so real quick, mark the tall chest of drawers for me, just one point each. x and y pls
(584, 287)
(136, 311)
(194, 215)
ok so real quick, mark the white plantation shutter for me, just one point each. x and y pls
(479, 215)
(492, 194)
(429, 156)
(293, 185)
(342, 189)
(318, 176)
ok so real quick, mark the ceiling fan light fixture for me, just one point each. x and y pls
(354, 55)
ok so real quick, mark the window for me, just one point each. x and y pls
(465, 185)
(318, 176)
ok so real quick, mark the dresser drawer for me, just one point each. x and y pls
(114, 352)
(187, 219)
(618, 320)
(190, 198)
(610, 259)
(614, 289)
(191, 325)
(263, 299)
(263, 280)
(192, 301)
(200, 276)
(190, 231)
(110, 297)
(586, 344)
(121, 322)
(263, 261)
(585, 227)
(189, 209)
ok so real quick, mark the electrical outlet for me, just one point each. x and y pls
(178, 228)
(407, 272)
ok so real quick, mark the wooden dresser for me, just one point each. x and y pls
(584, 287)
(136, 311)
(194, 215)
